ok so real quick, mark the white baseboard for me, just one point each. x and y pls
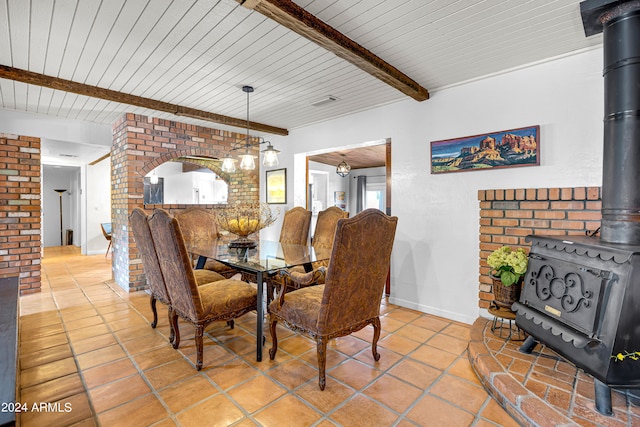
(435, 311)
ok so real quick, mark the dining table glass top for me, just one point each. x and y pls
(268, 256)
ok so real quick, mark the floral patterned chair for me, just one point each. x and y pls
(198, 223)
(295, 226)
(350, 298)
(149, 257)
(295, 230)
(225, 299)
(325, 231)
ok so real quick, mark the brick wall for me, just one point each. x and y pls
(20, 210)
(140, 144)
(508, 216)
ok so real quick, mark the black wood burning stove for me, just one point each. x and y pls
(581, 296)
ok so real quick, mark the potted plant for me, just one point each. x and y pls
(507, 271)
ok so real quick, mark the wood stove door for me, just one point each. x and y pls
(568, 291)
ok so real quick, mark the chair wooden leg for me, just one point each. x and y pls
(376, 336)
(274, 340)
(108, 247)
(321, 343)
(199, 346)
(176, 330)
(172, 329)
(152, 301)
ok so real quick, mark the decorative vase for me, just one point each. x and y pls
(505, 296)
(244, 220)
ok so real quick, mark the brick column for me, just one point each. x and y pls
(20, 210)
(508, 216)
(140, 144)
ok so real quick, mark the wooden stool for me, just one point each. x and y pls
(504, 325)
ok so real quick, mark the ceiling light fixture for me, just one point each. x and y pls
(228, 164)
(343, 168)
(247, 159)
(270, 156)
(153, 179)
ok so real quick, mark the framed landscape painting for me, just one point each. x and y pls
(503, 149)
(277, 186)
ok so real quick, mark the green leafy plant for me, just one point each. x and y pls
(508, 265)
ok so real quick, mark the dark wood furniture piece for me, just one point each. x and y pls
(261, 262)
(9, 316)
(224, 299)
(350, 298)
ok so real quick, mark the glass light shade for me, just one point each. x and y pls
(343, 169)
(270, 156)
(228, 165)
(247, 161)
(153, 179)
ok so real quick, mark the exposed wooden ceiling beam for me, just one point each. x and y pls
(295, 18)
(125, 98)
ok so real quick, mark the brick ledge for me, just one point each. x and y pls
(524, 406)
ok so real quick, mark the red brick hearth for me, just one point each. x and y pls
(541, 389)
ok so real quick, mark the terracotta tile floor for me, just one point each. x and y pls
(88, 346)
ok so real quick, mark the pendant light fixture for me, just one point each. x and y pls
(153, 179)
(228, 164)
(270, 156)
(247, 159)
(343, 168)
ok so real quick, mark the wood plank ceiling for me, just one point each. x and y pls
(199, 53)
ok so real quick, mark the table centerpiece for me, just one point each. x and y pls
(244, 220)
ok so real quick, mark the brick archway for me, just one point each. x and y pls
(140, 144)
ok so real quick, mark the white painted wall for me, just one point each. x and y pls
(86, 181)
(98, 196)
(57, 178)
(42, 126)
(435, 258)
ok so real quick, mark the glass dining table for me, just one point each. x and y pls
(263, 261)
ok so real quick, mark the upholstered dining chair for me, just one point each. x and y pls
(225, 299)
(350, 298)
(155, 279)
(198, 223)
(295, 226)
(323, 236)
(295, 230)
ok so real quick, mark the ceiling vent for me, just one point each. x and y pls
(329, 99)
(66, 155)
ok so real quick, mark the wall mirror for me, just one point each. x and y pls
(185, 183)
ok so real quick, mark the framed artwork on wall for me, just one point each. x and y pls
(503, 149)
(340, 199)
(276, 186)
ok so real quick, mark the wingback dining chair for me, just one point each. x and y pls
(350, 298)
(225, 299)
(295, 226)
(151, 266)
(323, 236)
(295, 230)
(198, 223)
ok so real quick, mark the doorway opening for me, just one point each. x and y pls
(367, 185)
